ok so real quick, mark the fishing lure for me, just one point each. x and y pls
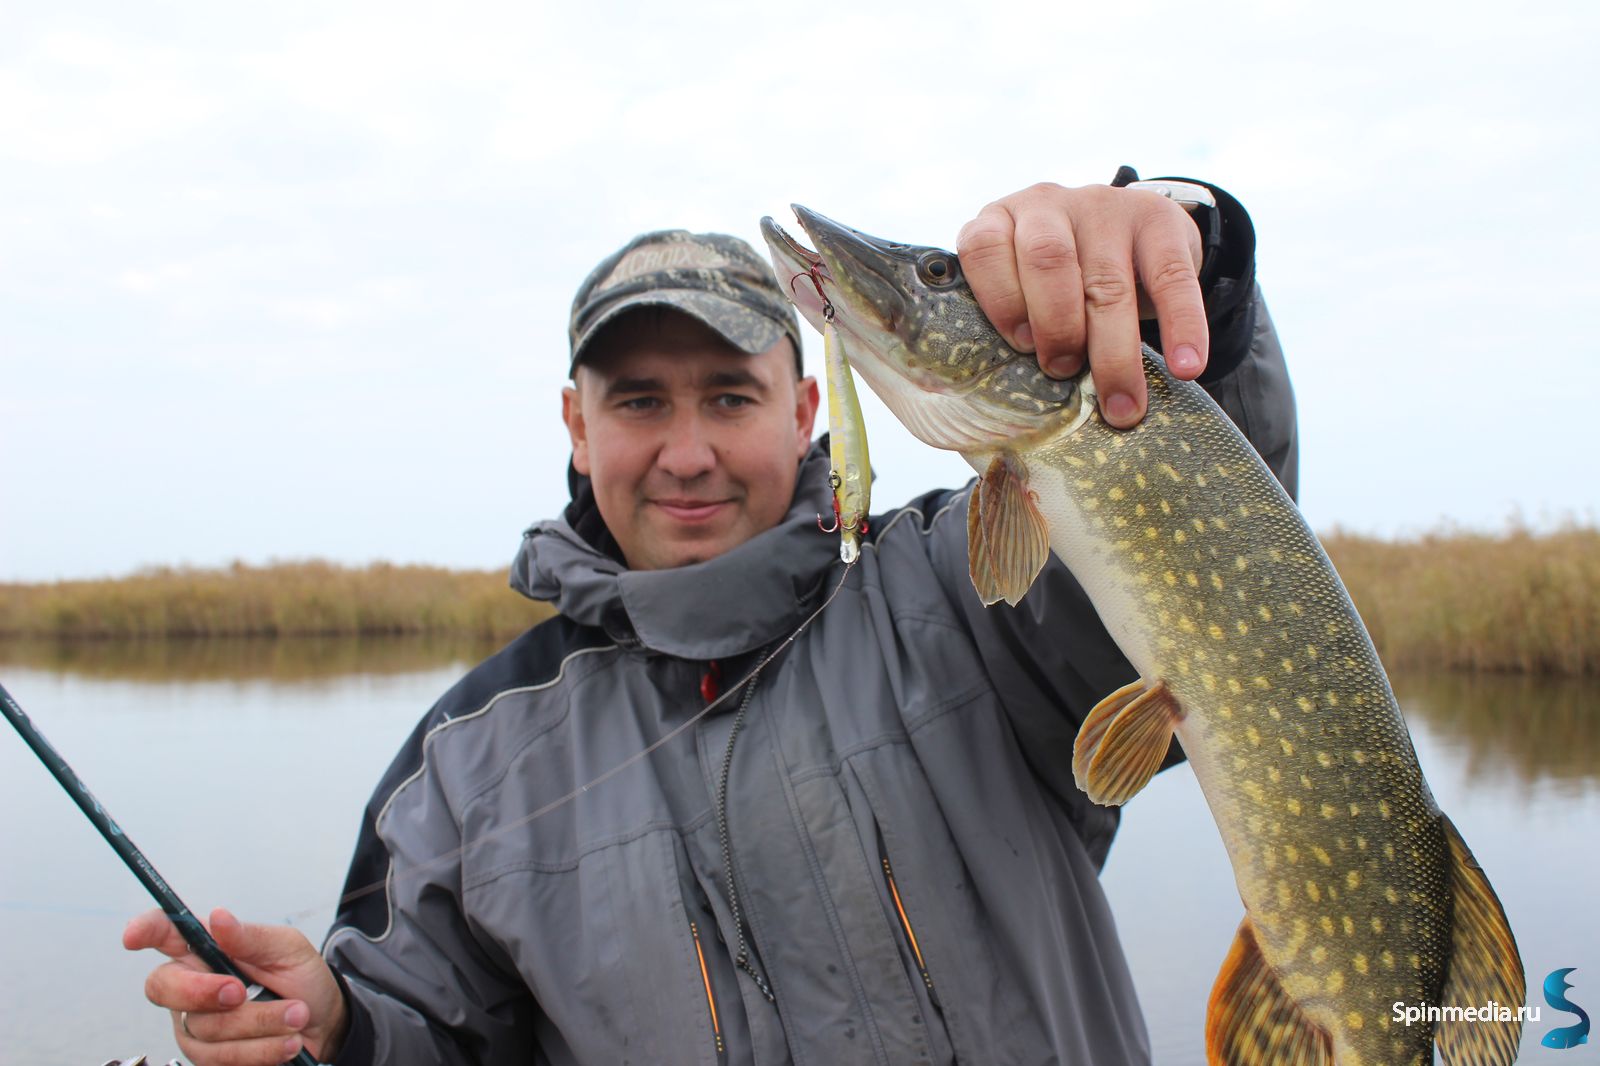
(851, 476)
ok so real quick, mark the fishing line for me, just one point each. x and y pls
(395, 875)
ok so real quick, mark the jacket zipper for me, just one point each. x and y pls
(711, 998)
(911, 936)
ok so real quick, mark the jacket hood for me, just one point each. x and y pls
(744, 599)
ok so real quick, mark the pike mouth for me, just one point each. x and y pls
(799, 266)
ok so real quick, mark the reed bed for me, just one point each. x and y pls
(1515, 601)
(298, 599)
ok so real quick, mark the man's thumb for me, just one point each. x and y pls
(265, 946)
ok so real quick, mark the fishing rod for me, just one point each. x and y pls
(194, 934)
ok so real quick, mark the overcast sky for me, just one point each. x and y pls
(291, 280)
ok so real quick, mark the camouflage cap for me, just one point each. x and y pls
(718, 279)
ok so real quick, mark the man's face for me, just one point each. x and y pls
(692, 446)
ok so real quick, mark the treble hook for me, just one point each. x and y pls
(833, 483)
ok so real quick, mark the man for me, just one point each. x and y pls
(874, 851)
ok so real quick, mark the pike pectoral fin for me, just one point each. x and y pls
(1123, 741)
(1484, 966)
(1251, 1021)
(1007, 539)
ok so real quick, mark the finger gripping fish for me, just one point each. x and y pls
(1359, 893)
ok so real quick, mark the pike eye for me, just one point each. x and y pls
(938, 269)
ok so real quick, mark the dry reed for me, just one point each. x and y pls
(1513, 601)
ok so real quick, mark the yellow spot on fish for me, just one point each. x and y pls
(1335, 983)
(1349, 924)
(1192, 579)
(1383, 809)
(1179, 536)
(1087, 484)
(1353, 1019)
(1253, 790)
(1115, 493)
(1387, 958)
(1285, 894)
(1388, 852)
(1139, 479)
(1138, 509)
(1352, 880)
(1185, 624)
(1359, 756)
(1219, 523)
(1332, 698)
(1305, 782)
(1215, 631)
(1288, 666)
(1101, 457)
(1322, 856)
(1274, 774)
(1240, 562)
(1311, 649)
(1234, 686)
(1225, 711)
(1275, 714)
(1216, 581)
(1166, 468)
(1296, 609)
(1329, 810)
(1166, 508)
(1320, 953)
(1170, 578)
(1314, 891)
(1073, 460)
(1324, 760)
(1355, 810)
(1287, 746)
(1359, 962)
(1291, 853)
(1260, 682)
(1199, 525)
(1361, 842)
(1152, 532)
(1210, 682)
(1244, 511)
(1252, 736)
(1305, 704)
(1416, 961)
(1265, 612)
(1377, 926)
(1391, 895)
(1293, 805)
(1119, 521)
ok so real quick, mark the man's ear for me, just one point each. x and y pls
(806, 401)
(572, 415)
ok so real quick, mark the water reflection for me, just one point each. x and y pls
(1533, 729)
(285, 659)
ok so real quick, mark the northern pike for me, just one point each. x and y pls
(1359, 893)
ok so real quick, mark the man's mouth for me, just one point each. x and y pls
(686, 510)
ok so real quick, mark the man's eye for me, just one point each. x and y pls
(733, 399)
(639, 403)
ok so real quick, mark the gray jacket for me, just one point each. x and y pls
(916, 873)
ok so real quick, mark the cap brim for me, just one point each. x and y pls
(747, 330)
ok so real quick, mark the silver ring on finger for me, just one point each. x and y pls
(183, 1023)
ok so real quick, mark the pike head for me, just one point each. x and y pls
(910, 325)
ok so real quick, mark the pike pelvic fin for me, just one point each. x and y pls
(1007, 539)
(1484, 966)
(1251, 1021)
(1124, 741)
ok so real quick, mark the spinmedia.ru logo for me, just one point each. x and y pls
(1568, 1036)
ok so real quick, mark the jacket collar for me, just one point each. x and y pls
(742, 600)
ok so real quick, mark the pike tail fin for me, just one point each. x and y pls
(1484, 966)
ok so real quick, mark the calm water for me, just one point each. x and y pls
(241, 770)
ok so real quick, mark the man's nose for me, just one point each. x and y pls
(687, 451)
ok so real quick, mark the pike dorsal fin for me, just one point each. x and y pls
(1007, 539)
(1484, 966)
(1251, 1021)
(1124, 741)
